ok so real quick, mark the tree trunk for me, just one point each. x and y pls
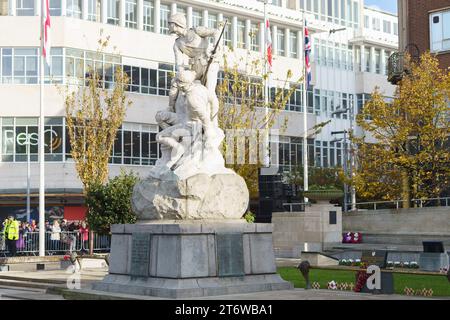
(406, 193)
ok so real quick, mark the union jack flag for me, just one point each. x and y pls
(307, 57)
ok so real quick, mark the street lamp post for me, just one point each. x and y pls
(345, 163)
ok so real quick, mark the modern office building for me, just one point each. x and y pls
(347, 64)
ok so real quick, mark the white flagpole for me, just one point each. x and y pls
(305, 116)
(266, 88)
(41, 143)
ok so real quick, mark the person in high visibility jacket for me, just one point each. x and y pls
(12, 235)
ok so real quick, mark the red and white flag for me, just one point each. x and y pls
(46, 30)
(268, 43)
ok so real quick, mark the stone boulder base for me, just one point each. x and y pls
(222, 196)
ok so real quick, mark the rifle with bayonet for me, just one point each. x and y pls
(211, 58)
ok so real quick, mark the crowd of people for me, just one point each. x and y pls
(60, 238)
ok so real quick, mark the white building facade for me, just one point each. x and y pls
(346, 64)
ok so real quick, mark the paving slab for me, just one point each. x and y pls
(295, 294)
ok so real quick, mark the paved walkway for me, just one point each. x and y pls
(40, 285)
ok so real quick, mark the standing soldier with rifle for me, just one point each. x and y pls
(194, 52)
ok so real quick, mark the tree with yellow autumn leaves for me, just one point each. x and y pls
(243, 109)
(93, 116)
(405, 151)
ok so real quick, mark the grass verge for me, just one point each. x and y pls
(439, 284)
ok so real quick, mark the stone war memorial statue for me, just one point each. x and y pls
(191, 239)
(190, 180)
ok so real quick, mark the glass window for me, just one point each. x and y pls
(254, 37)
(6, 65)
(164, 19)
(24, 7)
(377, 61)
(148, 15)
(350, 58)
(440, 31)
(131, 14)
(336, 11)
(227, 36)
(356, 14)
(55, 8)
(241, 34)
(113, 12)
(197, 19)
(325, 154)
(368, 59)
(24, 66)
(212, 21)
(386, 26)
(94, 10)
(316, 9)
(376, 24)
(366, 22)
(349, 13)
(293, 44)
(280, 42)
(386, 62)
(318, 154)
(396, 28)
(181, 10)
(74, 8)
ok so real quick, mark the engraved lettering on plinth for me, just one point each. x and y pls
(140, 254)
(230, 254)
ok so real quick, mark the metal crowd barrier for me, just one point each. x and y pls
(56, 243)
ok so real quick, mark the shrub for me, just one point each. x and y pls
(111, 203)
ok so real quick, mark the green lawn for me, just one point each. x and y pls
(439, 284)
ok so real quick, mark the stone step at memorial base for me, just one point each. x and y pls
(191, 288)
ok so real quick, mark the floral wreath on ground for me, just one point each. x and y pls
(352, 237)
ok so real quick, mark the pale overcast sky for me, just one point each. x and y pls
(387, 5)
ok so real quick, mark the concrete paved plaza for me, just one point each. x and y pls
(46, 285)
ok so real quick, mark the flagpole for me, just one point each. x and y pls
(266, 89)
(305, 115)
(41, 142)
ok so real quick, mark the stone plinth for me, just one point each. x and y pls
(185, 260)
(318, 227)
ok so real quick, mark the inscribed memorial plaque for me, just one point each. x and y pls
(230, 254)
(140, 254)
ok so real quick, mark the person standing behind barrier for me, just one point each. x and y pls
(12, 235)
(20, 245)
(33, 225)
(55, 236)
(3, 236)
(84, 234)
(72, 230)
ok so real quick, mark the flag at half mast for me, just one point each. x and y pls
(46, 30)
(307, 57)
